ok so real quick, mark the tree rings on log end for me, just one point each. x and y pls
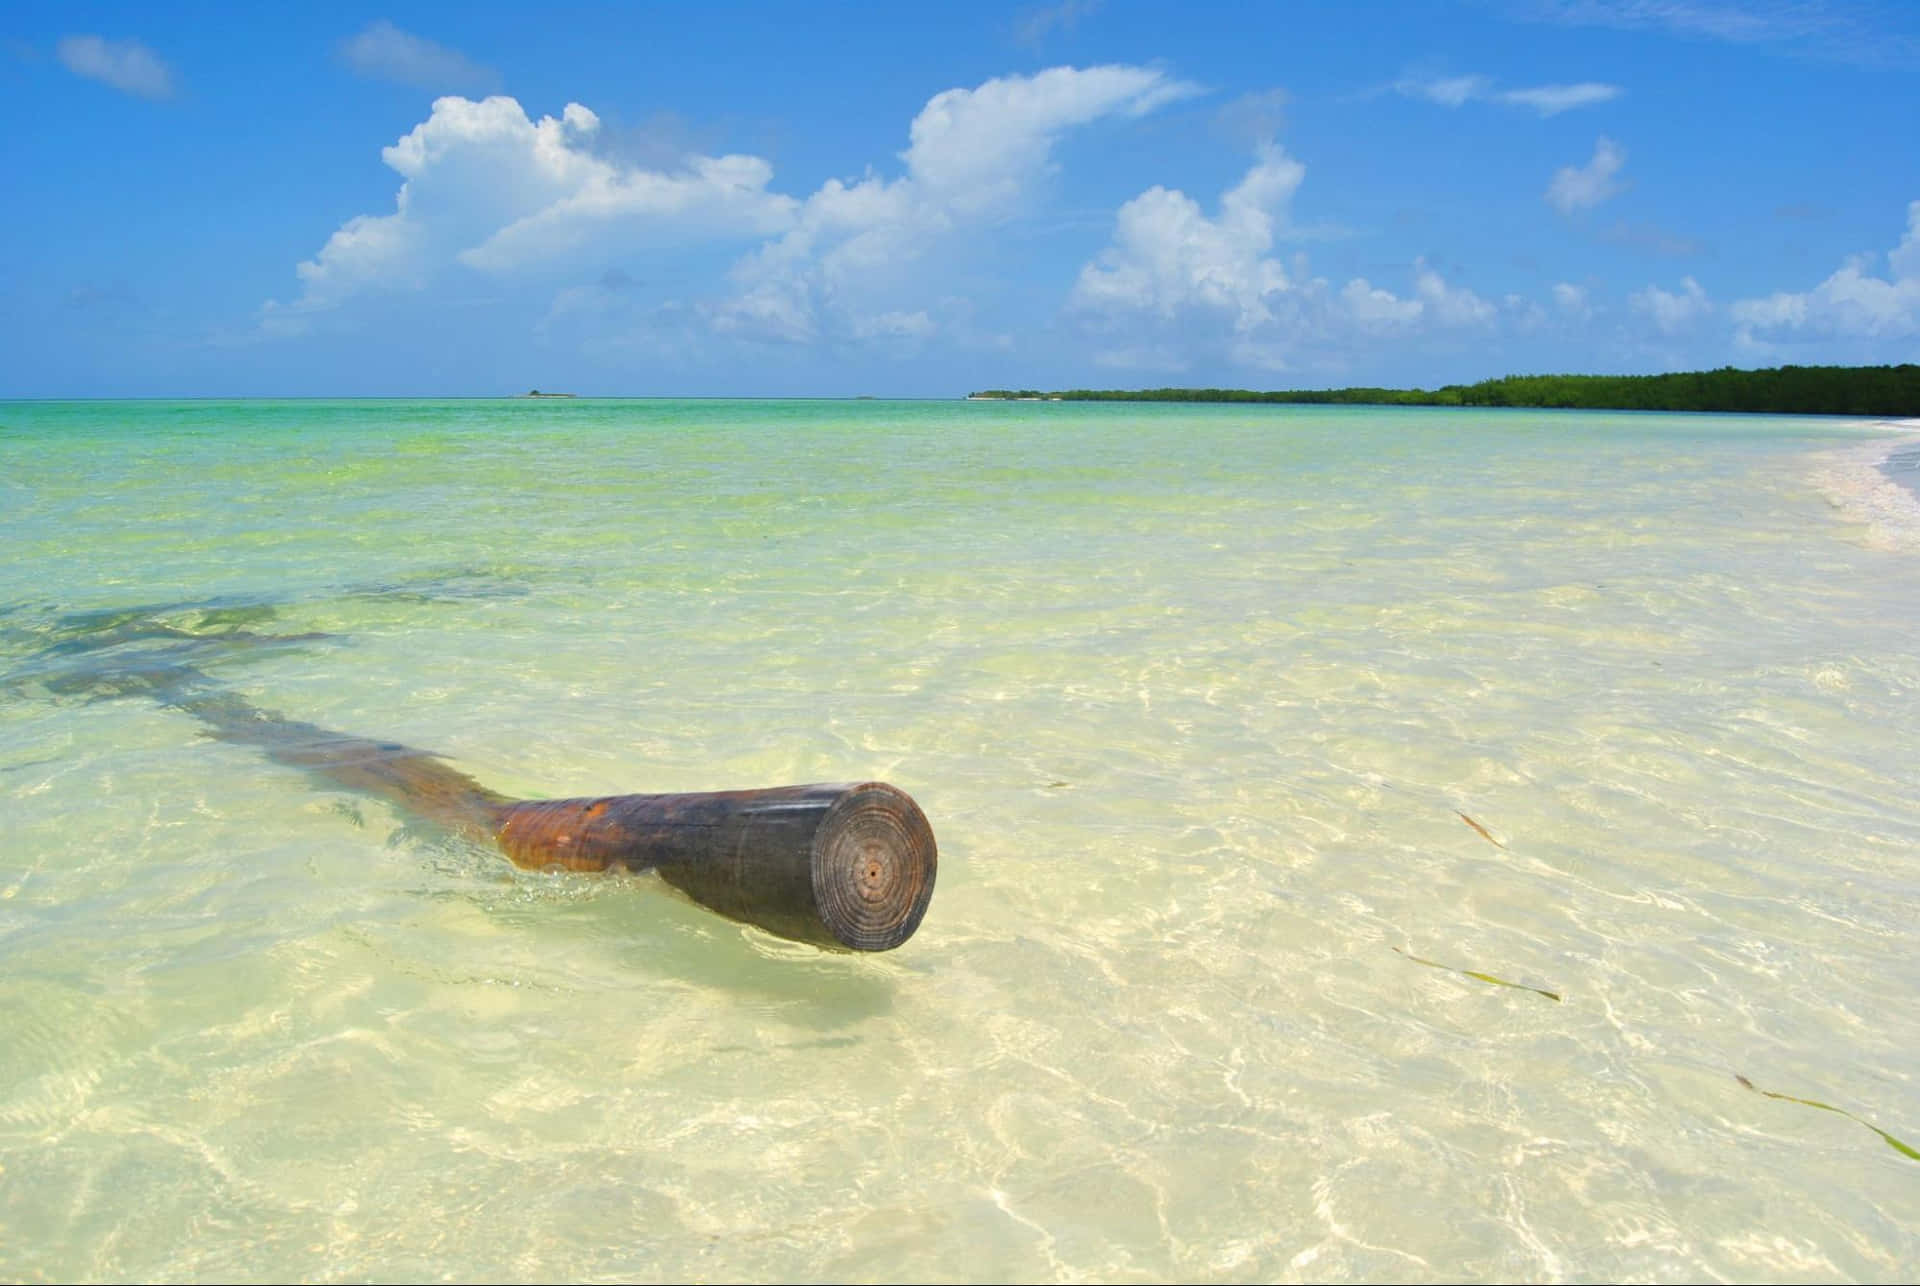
(873, 867)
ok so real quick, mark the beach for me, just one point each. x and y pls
(1903, 466)
(1373, 842)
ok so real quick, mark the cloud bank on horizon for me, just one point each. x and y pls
(1113, 218)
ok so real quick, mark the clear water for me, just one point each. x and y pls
(1199, 701)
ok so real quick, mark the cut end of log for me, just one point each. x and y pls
(874, 860)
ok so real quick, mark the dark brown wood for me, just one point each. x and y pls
(843, 866)
(839, 865)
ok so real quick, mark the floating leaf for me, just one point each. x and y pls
(1890, 1141)
(1482, 977)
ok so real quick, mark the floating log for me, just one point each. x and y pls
(842, 866)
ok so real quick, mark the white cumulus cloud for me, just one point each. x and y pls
(1672, 312)
(127, 65)
(974, 155)
(385, 52)
(1584, 186)
(491, 192)
(975, 148)
(1373, 309)
(1852, 303)
(488, 188)
(1175, 279)
(1448, 305)
(1168, 256)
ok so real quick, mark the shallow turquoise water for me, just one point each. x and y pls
(1198, 701)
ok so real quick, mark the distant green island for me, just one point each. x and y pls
(1789, 390)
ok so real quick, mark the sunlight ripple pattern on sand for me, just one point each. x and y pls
(1196, 699)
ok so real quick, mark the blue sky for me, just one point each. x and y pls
(831, 200)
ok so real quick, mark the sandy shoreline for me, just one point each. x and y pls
(1903, 466)
(1877, 484)
(1901, 463)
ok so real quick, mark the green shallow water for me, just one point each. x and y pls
(1199, 701)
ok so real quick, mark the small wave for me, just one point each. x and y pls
(1857, 483)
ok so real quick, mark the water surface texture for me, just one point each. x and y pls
(1374, 844)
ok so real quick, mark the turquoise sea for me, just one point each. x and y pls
(1374, 844)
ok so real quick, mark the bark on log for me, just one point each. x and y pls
(841, 866)
(848, 867)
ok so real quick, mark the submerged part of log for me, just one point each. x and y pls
(848, 867)
(417, 781)
(840, 866)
